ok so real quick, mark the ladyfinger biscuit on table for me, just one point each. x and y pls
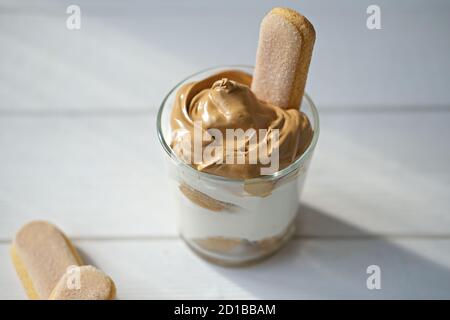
(42, 255)
(286, 42)
(93, 285)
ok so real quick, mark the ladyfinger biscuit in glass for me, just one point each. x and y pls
(283, 56)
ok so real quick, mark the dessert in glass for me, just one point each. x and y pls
(239, 142)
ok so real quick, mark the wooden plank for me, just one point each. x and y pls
(129, 55)
(104, 175)
(382, 173)
(100, 175)
(306, 269)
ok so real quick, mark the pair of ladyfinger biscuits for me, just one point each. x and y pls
(49, 266)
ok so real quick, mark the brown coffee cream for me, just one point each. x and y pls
(224, 101)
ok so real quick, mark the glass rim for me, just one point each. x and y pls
(277, 175)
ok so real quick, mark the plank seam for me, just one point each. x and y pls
(96, 112)
(295, 238)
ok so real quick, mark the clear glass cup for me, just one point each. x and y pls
(234, 222)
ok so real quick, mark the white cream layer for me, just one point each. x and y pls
(250, 217)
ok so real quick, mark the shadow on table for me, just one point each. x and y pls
(335, 266)
(87, 258)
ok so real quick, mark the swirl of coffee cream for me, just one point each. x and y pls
(224, 101)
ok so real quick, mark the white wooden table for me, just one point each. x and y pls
(78, 144)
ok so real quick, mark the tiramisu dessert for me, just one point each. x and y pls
(241, 145)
